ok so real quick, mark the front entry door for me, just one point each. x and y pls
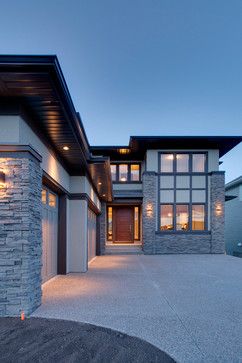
(124, 224)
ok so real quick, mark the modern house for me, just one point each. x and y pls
(62, 201)
(233, 217)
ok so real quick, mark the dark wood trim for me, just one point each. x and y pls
(62, 238)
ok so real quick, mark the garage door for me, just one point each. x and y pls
(49, 234)
(91, 235)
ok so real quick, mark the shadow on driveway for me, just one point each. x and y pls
(49, 340)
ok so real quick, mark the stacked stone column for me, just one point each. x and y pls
(20, 234)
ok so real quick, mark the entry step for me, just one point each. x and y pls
(123, 249)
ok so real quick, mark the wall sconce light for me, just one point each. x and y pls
(149, 210)
(218, 209)
(2, 178)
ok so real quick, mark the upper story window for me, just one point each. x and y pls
(125, 173)
(182, 163)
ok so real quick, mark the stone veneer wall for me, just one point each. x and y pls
(20, 235)
(155, 242)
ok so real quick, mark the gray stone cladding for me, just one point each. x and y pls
(20, 236)
(155, 242)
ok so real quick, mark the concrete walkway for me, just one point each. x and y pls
(188, 305)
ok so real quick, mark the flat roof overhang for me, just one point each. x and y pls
(34, 87)
(138, 145)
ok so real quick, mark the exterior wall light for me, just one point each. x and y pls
(218, 209)
(2, 179)
(149, 210)
(124, 151)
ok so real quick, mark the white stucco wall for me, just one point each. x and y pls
(78, 233)
(9, 129)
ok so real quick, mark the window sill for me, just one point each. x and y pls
(127, 182)
(183, 232)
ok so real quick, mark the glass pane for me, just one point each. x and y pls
(136, 223)
(198, 196)
(199, 181)
(198, 163)
(166, 217)
(52, 200)
(183, 181)
(135, 171)
(182, 163)
(167, 196)
(44, 196)
(166, 163)
(198, 217)
(114, 172)
(167, 181)
(182, 218)
(123, 172)
(183, 196)
(110, 223)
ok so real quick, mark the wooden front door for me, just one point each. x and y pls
(124, 224)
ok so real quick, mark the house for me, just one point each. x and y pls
(233, 217)
(62, 201)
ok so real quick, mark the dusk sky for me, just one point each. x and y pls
(135, 67)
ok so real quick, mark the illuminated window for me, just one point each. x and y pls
(123, 172)
(134, 172)
(166, 163)
(44, 196)
(182, 163)
(114, 172)
(198, 163)
(52, 200)
(110, 223)
(136, 223)
(198, 217)
(183, 190)
(166, 217)
(182, 217)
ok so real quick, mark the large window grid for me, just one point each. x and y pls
(185, 191)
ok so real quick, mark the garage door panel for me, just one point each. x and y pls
(49, 234)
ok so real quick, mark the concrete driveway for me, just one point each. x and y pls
(188, 305)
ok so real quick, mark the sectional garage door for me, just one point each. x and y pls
(91, 235)
(49, 234)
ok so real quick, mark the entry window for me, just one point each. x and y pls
(110, 223)
(126, 173)
(52, 200)
(166, 217)
(136, 223)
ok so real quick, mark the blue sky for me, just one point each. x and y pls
(135, 67)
